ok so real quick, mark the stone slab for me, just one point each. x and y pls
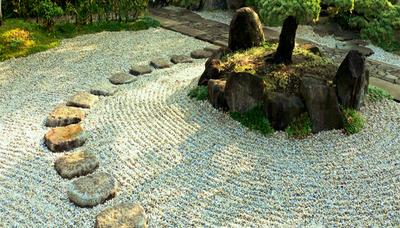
(65, 138)
(65, 115)
(393, 89)
(161, 63)
(122, 215)
(82, 100)
(181, 59)
(187, 30)
(140, 70)
(104, 89)
(76, 164)
(201, 54)
(121, 78)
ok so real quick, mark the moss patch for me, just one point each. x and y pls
(300, 127)
(377, 94)
(254, 119)
(199, 93)
(354, 122)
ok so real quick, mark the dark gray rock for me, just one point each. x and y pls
(140, 70)
(216, 90)
(213, 48)
(322, 104)
(287, 39)
(213, 71)
(243, 91)
(121, 78)
(161, 63)
(246, 30)
(201, 54)
(352, 81)
(235, 4)
(181, 59)
(282, 109)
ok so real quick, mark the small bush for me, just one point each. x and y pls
(199, 93)
(255, 119)
(378, 94)
(300, 127)
(354, 122)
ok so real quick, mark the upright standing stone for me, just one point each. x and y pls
(216, 90)
(122, 215)
(352, 81)
(246, 30)
(287, 40)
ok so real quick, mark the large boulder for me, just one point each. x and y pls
(352, 80)
(243, 91)
(213, 71)
(282, 109)
(322, 104)
(246, 30)
(216, 90)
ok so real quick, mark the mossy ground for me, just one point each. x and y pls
(199, 93)
(20, 38)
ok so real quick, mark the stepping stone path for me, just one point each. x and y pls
(82, 100)
(181, 59)
(65, 115)
(104, 89)
(76, 164)
(65, 138)
(140, 70)
(92, 190)
(121, 78)
(122, 215)
(213, 48)
(201, 54)
(161, 63)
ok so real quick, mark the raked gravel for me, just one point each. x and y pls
(185, 162)
(306, 32)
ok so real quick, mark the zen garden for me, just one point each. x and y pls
(199, 113)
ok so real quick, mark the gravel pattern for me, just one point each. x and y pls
(185, 162)
(306, 32)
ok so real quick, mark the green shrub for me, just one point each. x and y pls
(48, 10)
(273, 12)
(378, 94)
(200, 93)
(254, 119)
(300, 127)
(354, 122)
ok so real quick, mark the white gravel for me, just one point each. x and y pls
(306, 32)
(186, 163)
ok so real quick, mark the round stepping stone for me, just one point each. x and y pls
(181, 59)
(201, 54)
(76, 164)
(104, 89)
(160, 63)
(65, 115)
(82, 100)
(140, 70)
(213, 48)
(121, 78)
(91, 190)
(65, 138)
(122, 215)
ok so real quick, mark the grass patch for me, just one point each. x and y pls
(254, 119)
(377, 94)
(300, 127)
(199, 93)
(354, 122)
(20, 38)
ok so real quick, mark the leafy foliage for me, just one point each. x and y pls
(254, 119)
(300, 127)
(354, 122)
(378, 94)
(200, 93)
(273, 12)
(48, 10)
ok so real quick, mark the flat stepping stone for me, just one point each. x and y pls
(122, 215)
(201, 54)
(65, 138)
(83, 100)
(213, 48)
(140, 70)
(161, 63)
(121, 78)
(104, 89)
(65, 115)
(91, 190)
(181, 59)
(76, 164)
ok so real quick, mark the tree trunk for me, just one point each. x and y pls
(286, 41)
(1, 15)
